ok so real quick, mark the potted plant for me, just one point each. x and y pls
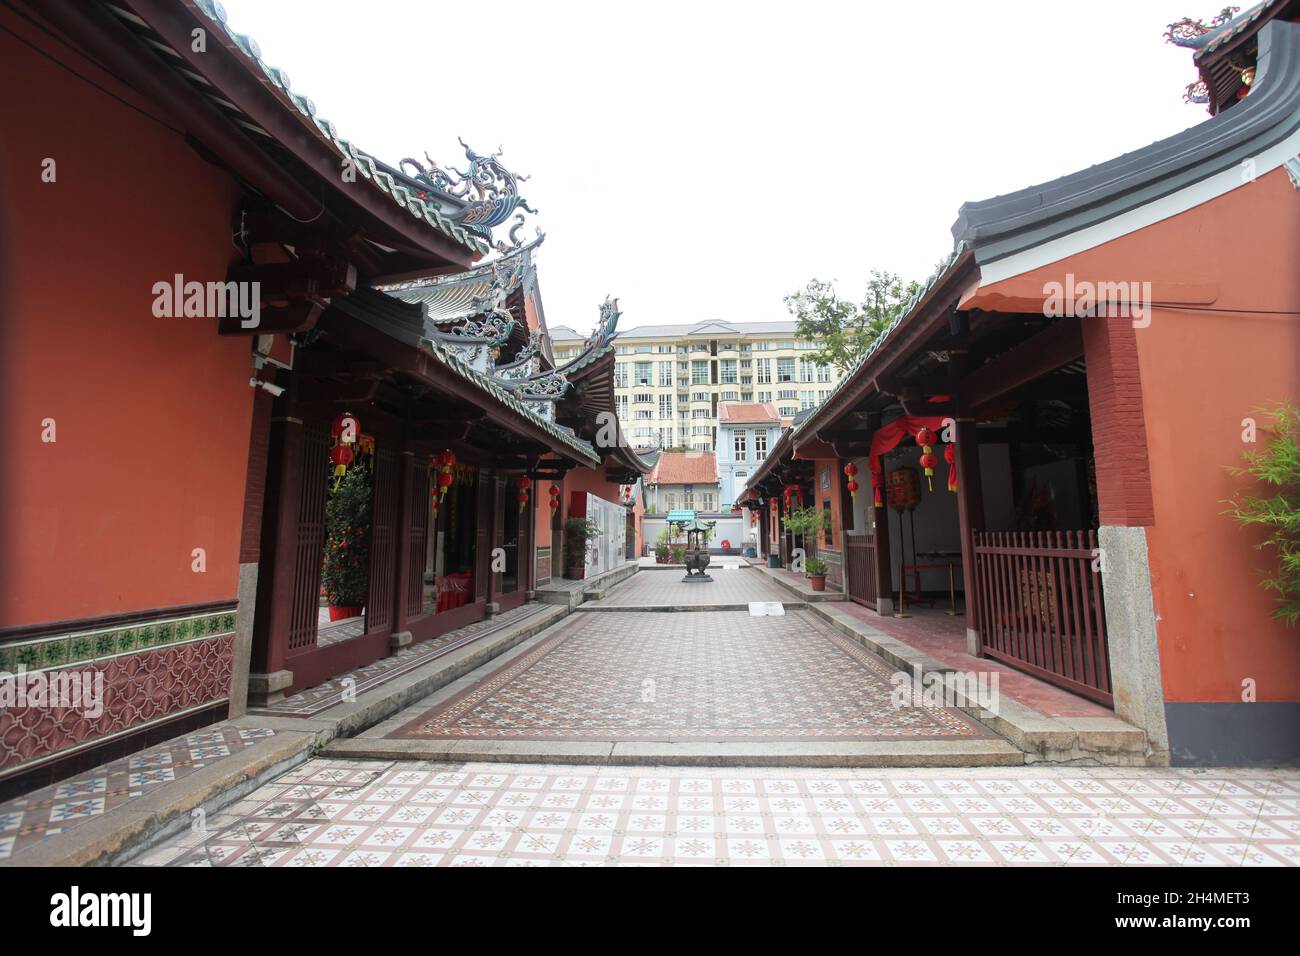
(345, 575)
(579, 541)
(806, 522)
(815, 569)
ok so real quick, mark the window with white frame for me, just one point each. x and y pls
(728, 371)
(823, 373)
(699, 372)
(740, 444)
(665, 374)
(620, 375)
(760, 444)
(642, 373)
(764, 370)
(665, 406)
(785, 370)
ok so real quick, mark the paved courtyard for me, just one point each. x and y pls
(703, 675)
(663, 589)
(371, 813)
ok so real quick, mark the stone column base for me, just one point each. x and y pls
(1131, 632)
(266, 689)
(884, 606)
(492, 609)
(399, 639)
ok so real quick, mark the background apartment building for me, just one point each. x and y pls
(670, 379)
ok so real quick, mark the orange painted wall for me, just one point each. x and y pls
(1202, 373)
(152, 415)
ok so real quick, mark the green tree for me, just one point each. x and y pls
(1277, 468)
(844, 329)
(346, 573)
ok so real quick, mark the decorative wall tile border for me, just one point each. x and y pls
(100, 644)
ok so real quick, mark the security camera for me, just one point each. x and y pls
(275, 390)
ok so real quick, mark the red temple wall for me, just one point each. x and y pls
(1201, 374)
(151, 414)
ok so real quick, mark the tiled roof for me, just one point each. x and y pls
(1211, 41)
(459, 296)
(685, 468)
(708, 329)
(404, 322)
(747, 412)
(380, 179)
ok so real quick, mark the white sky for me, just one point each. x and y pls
(701, 160)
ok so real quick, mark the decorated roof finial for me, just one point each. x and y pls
(489, 190)
(1186, 32)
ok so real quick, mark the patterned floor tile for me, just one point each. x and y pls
(314, 700)
(700, 676)
(62, 806)
(472, 815)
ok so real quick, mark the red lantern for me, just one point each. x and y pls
(523, 483)
(445, 462)
(342, 456)
(850, 470)
(950, 456)
(875, 487)
(345, 429)
(344, 432)
(853, 488)
(926, 438)
(555, 497)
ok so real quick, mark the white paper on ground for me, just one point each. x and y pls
(766, 609)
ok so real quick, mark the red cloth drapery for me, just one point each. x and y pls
(887, 437)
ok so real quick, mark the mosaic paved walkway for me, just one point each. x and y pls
(710, 675)
(60, 807)
(667, 589)
(314, 700)
(369, 813)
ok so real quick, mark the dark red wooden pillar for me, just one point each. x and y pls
(880, 541)
(970, 517)
(405, 559)
(278, 564)
(483, 534)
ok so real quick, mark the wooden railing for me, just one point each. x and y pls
(1039, 607)
(860, 568)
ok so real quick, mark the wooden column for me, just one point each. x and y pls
(483, 534)
(278, 556)
(405, 560)
(879, 531)
(880, 541)
(970, 517)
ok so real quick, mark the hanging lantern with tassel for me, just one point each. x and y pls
(344, 432)
(926, 439)
(851, 470)
(555, 497)
(875, 487)
(950, 456)
(523, 483)
(446, 464)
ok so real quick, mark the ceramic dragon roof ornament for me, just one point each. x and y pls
(488, 189)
